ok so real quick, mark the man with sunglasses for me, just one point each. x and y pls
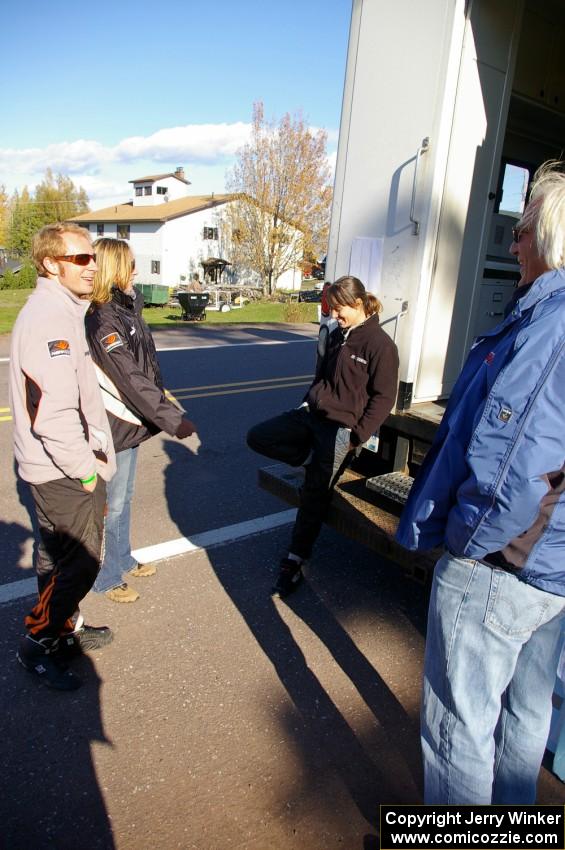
(63, 448)
(492, 491)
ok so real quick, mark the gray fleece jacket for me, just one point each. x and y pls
(60, 425)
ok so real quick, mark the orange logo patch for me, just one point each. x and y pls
(111, 341)
(57, 347)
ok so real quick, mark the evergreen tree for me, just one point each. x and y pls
(56, 198)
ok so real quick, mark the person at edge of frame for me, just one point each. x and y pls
(353, 391)
(137, 405)
(63, 448)
(492, 491)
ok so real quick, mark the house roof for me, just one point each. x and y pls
(151, 178)
(155, 212)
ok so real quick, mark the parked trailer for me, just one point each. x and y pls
(449, 107)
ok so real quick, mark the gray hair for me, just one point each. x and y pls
(545, 213)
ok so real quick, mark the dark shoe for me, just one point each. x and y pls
(290, 576)
(83, 640)
(42, 660)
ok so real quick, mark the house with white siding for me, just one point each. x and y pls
(173, 234)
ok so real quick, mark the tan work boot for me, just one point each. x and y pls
(122, 593)
(143, 571)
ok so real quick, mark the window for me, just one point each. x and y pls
(155, 267)
(123, 231)
(100, 230)
(147, 190)
(210, 233)
(161, 190)
(138, 191)
(513, 185)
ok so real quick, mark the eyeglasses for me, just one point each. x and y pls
(77, 259)
(517, 233)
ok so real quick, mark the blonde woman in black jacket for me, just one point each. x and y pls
(123, 351)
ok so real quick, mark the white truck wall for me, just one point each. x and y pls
(399, 89)
(439, 70)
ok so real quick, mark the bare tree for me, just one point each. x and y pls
(281, 179)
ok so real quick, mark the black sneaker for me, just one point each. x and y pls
(84, 639)
(290, 576)
(43, 663)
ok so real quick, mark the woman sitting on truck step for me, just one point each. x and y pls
(353, 391)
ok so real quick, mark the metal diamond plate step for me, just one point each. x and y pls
(393, 485)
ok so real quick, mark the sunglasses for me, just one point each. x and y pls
(77, 259)
(517, 233)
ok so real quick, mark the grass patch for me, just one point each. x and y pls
(12, 300)
(255, 312)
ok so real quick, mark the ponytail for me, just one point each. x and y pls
(372, 304)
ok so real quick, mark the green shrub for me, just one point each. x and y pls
(296, 312)
(24, 279)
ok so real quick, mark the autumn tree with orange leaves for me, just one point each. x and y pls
(283, 181)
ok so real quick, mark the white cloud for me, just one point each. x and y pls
(204, 150)
(207, 143)
(64, 157)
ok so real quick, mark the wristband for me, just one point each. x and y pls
(88, 480)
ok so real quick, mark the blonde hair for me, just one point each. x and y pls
(545, 213)
(114, 264)
(347, 290)
(49, 241)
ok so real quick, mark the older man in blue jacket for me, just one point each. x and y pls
(492, 490)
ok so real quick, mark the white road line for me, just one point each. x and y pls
(222, 345)
(240, 344)
(171, 548)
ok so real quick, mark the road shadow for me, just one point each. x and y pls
(50, 798)
(193, 334)
(383, 766)
(17, 539)
(16, 547)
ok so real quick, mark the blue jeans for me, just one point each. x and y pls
(492, 650)
(117, 547)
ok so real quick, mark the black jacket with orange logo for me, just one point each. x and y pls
(122, 347)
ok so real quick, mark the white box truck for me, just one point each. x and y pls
(449, 106)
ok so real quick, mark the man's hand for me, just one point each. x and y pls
(89, 484)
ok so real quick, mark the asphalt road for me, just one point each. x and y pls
(219, 717)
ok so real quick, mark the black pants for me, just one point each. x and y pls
(67, 558)
(290, 438)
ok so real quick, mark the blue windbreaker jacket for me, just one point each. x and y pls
(483, 480)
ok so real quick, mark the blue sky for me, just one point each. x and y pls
(116, 90)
